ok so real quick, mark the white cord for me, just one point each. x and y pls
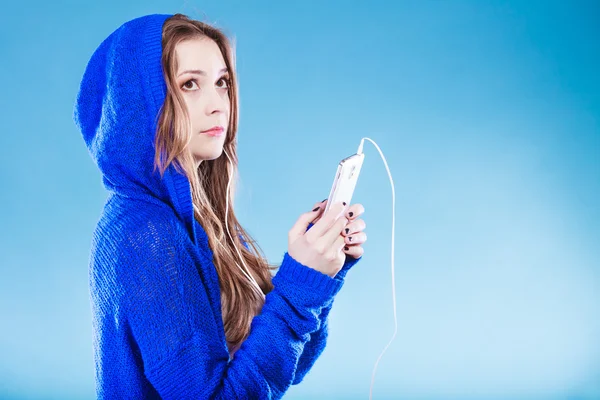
(246, 272)
(360, 148)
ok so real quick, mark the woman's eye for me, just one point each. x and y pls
(186, 85)
(225, 82)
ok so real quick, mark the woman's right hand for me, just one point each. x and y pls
(321, 247)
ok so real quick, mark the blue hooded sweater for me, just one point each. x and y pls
(154, 290)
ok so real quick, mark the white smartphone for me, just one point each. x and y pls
(345, 180)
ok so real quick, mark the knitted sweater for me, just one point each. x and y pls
(154, 290)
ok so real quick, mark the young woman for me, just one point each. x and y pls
(177, 285)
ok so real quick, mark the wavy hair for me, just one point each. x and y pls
(240, 299)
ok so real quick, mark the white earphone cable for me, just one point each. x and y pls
(360, 148)
(246, 271)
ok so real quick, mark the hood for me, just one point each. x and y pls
(117, 110)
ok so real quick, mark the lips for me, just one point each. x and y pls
(214, 131)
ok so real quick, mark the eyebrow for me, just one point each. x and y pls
(199, 72)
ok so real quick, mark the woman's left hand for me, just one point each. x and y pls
(354, 235)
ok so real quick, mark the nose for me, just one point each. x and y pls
(216, 102)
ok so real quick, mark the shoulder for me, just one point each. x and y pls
(137, 232)
(132, 219)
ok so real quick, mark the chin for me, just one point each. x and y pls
(210, 155)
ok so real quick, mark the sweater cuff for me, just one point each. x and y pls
(307, 279)
(350, 262)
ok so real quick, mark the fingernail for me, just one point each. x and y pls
(316, 208)
(344, 203)
(349, 238)
(347, 230)
(346, 248)
(322, 201)
(350, 214)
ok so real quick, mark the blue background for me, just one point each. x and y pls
(489, 116)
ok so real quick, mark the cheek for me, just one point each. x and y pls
(196, 116)
(227, 102)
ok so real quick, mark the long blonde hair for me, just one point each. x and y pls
(240, 299)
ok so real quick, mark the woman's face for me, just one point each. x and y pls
(203, 80)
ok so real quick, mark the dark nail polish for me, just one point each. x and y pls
(346, 248)
(322, 201)
(316, 208)
(344, 203)
(350, 214)
(347, 230)
(349, 238)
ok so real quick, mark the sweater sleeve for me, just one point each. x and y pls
(318, 339)
(167, 305)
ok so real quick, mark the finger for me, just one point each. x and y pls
(354, 251)
(318, 209)
(303, 222)
(327, 221)
(354, 227)
(357, 238)
(354, 211)
(317, 219)
(338, 244)
(332, 236)
(322, 205)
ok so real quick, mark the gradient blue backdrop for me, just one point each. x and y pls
(489, 115)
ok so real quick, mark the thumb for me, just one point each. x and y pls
(305, 222)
